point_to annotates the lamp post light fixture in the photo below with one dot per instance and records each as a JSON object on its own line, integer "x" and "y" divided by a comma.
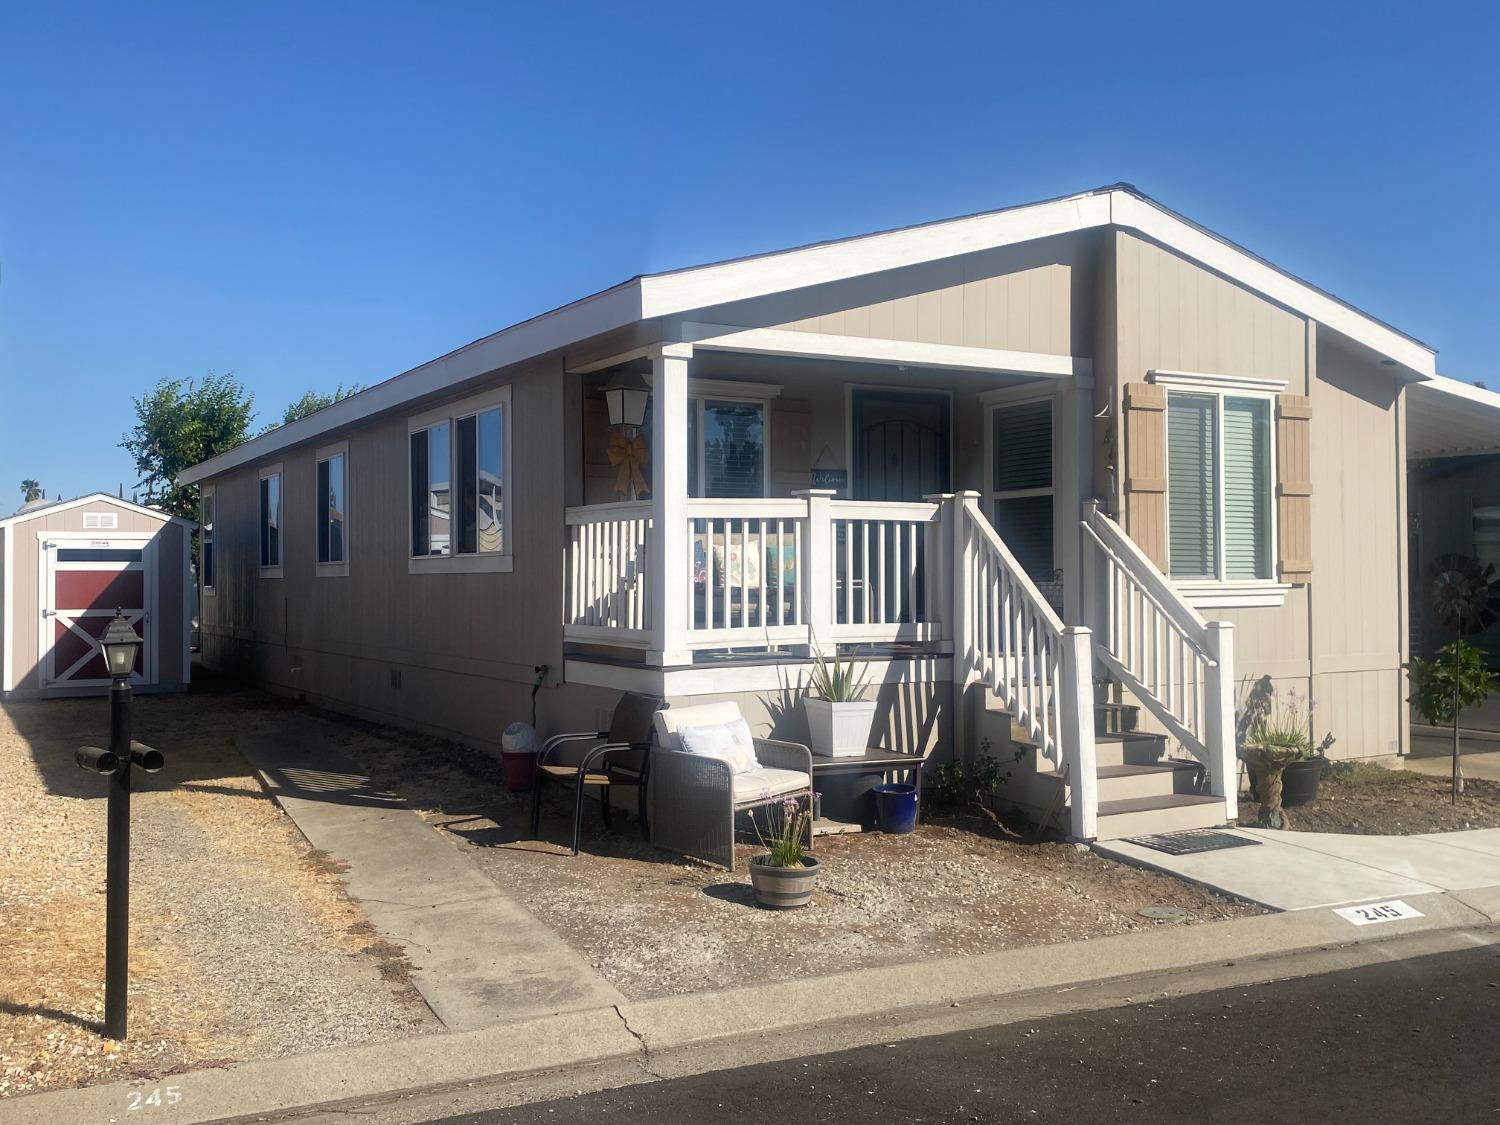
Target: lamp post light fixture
{"x": 120, "y": 646}
{"x": 626, "y": 395}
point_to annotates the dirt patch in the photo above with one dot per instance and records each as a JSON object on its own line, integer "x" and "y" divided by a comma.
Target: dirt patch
{"x": 1370, "y": 800}
{"x": 654, "y": 924}
{"x": 243, "y": 943}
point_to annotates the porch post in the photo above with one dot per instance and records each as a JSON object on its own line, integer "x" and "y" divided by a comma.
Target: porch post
{"x": 962, "y": 507}
{"x": 670, "y": 565}
{"x": 1077, "y": 690}
{"x": 1219, "y": 692}
{"x": 817, "y": 569}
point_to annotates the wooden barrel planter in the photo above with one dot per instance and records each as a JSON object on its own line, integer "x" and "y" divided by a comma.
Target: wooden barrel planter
{"x": 781, "y": 888}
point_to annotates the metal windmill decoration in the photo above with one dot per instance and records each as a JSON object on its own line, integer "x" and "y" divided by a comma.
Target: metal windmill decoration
{"x": 1463, "y": 592}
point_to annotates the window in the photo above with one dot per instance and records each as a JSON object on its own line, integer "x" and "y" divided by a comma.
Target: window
{"x": 206, "y": 555}
{"x": 1219, "y": 486}
{"x": 1021, "y": 493}
{"x": 459, "y": 458}
{"x": 333, "y": 510}
{"x": 726, "y": 439}
{"x": 270, "y": 522}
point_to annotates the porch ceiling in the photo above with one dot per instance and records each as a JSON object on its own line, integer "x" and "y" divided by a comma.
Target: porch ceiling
{"x": 1447, "y": 418}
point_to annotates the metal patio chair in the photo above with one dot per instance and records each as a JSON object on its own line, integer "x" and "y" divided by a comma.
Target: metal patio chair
{"x": 600, "y": 761}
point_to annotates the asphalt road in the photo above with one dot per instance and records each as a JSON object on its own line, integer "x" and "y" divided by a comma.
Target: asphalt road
{"x": 1405, "y": 1041}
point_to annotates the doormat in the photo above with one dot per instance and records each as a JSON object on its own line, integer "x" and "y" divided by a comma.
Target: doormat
{"x": 1191, "y": 843}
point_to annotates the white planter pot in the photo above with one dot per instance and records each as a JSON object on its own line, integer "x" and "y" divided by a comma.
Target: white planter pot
{"x": 839, "y": 730}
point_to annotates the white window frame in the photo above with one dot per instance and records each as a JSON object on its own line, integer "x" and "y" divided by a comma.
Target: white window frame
{"x": 1222, "y": 592}
{"x": 703, "y": 391}
{"x": 502, "y": 561}
{"x": 324, "y": 453}
{"x": 265, "y": 473}
{"x": 1000, "y": 399}
{"x": 207, "y": 532}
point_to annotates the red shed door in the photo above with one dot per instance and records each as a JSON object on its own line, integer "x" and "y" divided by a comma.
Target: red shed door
{"x": 85, "y": 581}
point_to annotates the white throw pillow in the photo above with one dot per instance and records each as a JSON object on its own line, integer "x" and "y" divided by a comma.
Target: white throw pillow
{"x": 730, "y": 742}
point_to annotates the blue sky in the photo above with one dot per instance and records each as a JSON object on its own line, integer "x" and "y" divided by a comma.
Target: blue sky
{"x": 309, "y": 194}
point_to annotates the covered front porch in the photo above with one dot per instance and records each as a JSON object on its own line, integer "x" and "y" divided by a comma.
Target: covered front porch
{"x": 787, "y": 493}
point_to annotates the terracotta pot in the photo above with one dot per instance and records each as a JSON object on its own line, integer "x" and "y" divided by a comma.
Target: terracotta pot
{"x": 781, "y": 888}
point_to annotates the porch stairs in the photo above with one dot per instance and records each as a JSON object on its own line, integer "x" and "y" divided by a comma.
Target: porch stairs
{"x": 1141, "y": 789}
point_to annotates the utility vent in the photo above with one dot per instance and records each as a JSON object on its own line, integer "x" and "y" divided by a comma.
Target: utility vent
{"x": 395, "y": 677}
{"x": 96, "y": 520}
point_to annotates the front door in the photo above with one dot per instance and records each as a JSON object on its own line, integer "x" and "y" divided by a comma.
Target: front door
{"x": 84, "y": 582}
{"x": 901, "y": 444}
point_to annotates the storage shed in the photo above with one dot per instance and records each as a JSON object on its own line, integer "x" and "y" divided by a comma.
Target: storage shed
{"x": 65, "y": 567}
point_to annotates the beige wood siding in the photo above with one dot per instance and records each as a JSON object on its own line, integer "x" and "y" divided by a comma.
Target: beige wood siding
{"x": 1357, "y": 625}
{"x": 463, "y": 645}
{"x": 1033, "y": 297}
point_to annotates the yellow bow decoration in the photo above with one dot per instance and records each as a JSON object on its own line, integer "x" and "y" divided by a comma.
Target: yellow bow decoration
{"x": 630, "y": 455}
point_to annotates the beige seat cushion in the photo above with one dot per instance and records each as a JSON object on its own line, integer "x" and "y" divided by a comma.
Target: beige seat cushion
{"x": 673, "y": 719}
{"x": 764, "y": 783}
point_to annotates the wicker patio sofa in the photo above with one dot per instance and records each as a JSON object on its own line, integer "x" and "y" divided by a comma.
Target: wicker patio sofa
{"x": 692, "y": 799}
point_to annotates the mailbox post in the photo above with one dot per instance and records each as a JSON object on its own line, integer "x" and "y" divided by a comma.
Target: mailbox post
{"x": 120, "y": 644}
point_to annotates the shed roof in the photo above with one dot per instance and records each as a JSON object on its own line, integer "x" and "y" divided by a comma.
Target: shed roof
{"x": 676, "y": 293}
{"x": 34, "y": 509}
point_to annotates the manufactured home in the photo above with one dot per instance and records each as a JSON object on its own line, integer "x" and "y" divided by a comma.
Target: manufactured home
{"x": 1039, "y": 468}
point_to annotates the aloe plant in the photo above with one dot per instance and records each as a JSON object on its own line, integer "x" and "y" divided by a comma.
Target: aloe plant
{"x": 836, "y": 681}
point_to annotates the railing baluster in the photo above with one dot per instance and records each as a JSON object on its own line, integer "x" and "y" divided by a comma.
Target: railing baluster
{"x": 880, "y": 614}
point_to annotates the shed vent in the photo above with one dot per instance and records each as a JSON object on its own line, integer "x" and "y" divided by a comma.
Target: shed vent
{"x": 95, "y": 520}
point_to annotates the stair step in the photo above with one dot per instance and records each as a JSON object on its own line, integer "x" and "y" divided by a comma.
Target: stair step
{"x": 1121, "y": 782}
{"x": 1115, "y": 718}
{"x": 1145, "y": 816}
{"x": 1135, "y": 748}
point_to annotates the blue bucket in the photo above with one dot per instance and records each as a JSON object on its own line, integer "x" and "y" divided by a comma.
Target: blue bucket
{"x": 895, "y": 808}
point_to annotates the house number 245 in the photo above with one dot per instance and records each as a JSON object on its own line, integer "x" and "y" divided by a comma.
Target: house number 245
{"x": 162, "y": 1095}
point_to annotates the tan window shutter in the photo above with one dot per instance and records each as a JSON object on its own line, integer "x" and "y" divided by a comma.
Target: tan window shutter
{"x": 1294, "y": 488}
{"x": 1146, "y": 469}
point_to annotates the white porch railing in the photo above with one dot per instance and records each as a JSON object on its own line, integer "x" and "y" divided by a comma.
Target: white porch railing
{"x": 1179, "y": 666}
{"x": 608, "y": 589}
{"x": 1009, "y": 637}
{"x": 807, "y": 571}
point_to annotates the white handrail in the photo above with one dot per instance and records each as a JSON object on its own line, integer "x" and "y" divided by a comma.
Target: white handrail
{"x": 1177, "y": 665}
{"x": 1014, "y": 641}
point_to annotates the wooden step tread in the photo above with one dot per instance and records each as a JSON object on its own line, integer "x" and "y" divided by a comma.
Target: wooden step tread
{"x": 1128, "y": 736}
{"x": 1106, "y": 772}
{"x": 1150, "y": 804}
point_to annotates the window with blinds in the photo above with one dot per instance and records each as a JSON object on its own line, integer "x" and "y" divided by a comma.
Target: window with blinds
{"x": 1219, "y": 486}
{"x": 734, "y": 448}
{"x": 1021, "y": 492}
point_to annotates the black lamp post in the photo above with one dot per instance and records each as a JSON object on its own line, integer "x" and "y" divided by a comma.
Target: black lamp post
{"x": 120, "y": 646}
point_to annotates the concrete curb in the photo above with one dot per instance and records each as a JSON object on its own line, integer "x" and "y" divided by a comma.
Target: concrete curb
{"x": 639, "y": 1029}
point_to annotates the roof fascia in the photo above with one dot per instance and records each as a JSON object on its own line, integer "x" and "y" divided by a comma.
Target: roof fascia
{"x": 613, "y": 308}
{"x": 685, "y": 291}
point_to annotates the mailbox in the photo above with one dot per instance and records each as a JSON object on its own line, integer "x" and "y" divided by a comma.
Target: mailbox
{"x": 96, "y": 760}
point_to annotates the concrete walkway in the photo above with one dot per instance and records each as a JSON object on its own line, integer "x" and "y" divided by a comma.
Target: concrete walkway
{"x": 479, "y": 956}
{"x": 1302, "y": 870}
{"x": 1485, "y": 764}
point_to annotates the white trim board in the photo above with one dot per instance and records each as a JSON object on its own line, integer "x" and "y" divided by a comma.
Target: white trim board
{"x": 904, "y": 353}
{"x": 683, "y": 292}
{"x": 722, "y": 679}
{"x": 7, "y": 605}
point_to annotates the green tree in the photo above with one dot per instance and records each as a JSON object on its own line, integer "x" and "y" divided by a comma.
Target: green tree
{"x": 180, "y": 423}
{"x": 313, "y": 401}
{"x": 1443, "y": 687}
{"x": 32, "y": 490}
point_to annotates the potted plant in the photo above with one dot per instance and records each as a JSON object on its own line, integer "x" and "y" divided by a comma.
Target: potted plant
{"x": 839, "y": 719}
{"x": 1276, "y": 738}
{"x": 785, "y": 875}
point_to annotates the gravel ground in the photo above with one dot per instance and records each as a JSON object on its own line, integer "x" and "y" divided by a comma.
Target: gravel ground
{"x": 1367, "y": 799}
{"x": 654, "y": 924}
{"x": 243, "y": 942}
